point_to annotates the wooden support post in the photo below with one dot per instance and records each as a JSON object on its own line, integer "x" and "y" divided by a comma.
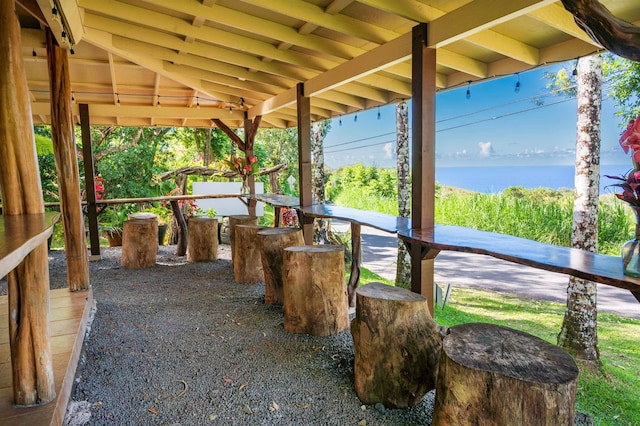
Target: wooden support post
{"x": 423, "y": 153}
{"x": 397, "y": 346}
{"x": 356, "y": 262}
{"x": 272, "y": 242}
{"x": 203, "y": 239}
{"x": 314, "y": 290}
{"x": 277, "y": 217}
{"x": 89, "y": 180}
{"x": 64, "y": 148}
{"x": 490, "y": 374}
{"x": 247, "y": 263}
{"x": 183, "y": 232}
{"x": 423, "y": 260}
{"x": 28, "y": 284}
{"x": 304, "y": 158}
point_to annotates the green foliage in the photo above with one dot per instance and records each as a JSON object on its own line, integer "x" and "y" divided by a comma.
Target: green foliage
{"x": 624, "y": 83}
{"x": 44, "y": 145}
{"x": 277, "y": 146}
{"x": 369, "y": 180}
{"x": 162, "y": 211}
{"x": 112, "y": 218}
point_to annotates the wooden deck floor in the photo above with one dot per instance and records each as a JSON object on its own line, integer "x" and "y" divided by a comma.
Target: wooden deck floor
{"x": 69, "y": 315}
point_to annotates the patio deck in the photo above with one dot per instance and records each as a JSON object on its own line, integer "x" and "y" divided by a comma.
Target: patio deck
{"x": 69, "y": 316}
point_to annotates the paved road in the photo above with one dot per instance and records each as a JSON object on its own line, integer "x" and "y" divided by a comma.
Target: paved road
{"x": 475, "y": 270}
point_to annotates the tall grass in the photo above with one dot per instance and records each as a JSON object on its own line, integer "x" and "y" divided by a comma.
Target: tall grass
{"x": 538, "y": 214}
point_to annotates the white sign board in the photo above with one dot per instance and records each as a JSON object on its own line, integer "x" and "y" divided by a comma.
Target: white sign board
{"x": 225, "y": 206}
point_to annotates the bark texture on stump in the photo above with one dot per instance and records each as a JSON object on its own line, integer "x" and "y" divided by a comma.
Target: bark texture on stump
{"x": 491, "y": 375}
{"x": 397, "y": 345}
{"x": 247, "y": 264}
{"x": 203, "y": 239}
{"x": 240, "y": 219}
{"x": 314, "y": 290}
{"x": 28, "y": 284}
{"x": 272, "y": 243}
{"x": 139, "y": 241}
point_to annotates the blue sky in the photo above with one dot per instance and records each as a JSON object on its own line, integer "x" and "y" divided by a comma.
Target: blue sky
{"x": 495, "y": 126}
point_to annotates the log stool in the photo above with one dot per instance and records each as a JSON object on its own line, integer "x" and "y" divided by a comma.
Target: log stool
{"x": 202, "y": 245}
{"x": 272, "y": 242}
{"x": 315, "y": 290}
{"x": 241, "y": 219}
{"x": 139, "y": 241}
{"x": 396, "y": 344}
{"x": 491, "y": 374}
{"x": 247, "y": 264}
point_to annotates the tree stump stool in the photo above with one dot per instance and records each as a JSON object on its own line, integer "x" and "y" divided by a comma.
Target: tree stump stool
{"x": 247, "y": 264}
{"x": 272, "y": 242}
{"x": 315, "y": 290}
{"x": 139, "y": 241}
{"x": 241, "y": 219}
{"x": 202, "y": 245}
{"x": 491, "y": 374}
{"x": 397, "y": 345}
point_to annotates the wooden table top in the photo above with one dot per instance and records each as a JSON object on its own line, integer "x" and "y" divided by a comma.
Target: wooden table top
{"x": 579, "y": 263}
{"x": 20, "y": 234}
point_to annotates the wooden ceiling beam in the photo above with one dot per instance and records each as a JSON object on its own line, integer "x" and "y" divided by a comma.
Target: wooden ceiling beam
{"x": 559, "y": 18}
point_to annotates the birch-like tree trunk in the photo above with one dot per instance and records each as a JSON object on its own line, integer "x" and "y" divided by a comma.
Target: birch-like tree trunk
{"x": 318, "y": 132}
{"x": 403, "y": 269}
{"x": 579, "y": 335}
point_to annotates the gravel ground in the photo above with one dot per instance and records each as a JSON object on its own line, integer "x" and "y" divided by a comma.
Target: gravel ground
{"x": 182, "y": 344}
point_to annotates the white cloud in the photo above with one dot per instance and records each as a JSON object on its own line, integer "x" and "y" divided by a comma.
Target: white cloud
{"x": 388, "y": 147}
{"x": 486, "y": 149}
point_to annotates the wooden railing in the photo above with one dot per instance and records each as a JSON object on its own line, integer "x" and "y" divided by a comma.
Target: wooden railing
{"x": 20, "y": 234}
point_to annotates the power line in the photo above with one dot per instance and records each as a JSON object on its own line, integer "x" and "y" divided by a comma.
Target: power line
{"x": 359, "y": 147}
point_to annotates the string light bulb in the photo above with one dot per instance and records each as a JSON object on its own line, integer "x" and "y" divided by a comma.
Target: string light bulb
{"x": 379, "y": 115}
{"x": 340, "y": 122}
{"x": 118, "y": 99}
{"x": 197, "y": 102}
{"x": 73, "y": 98}
{"x": 517, "y": 89}
{"x": 34, "y": 54}
{"x": 468, "y": 95}
{"x": 230, "y": 110}
{"x": 575, "y": 69}
{"x": 158, "y": 102}
{"x": 355, "y": 118}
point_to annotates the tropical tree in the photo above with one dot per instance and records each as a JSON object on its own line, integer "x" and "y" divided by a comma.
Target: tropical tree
{"x": 578, "y": 334}
{"x": 403, "y": 264}
{"x": 319, "y": 130}
{"x": 278, "y": 146}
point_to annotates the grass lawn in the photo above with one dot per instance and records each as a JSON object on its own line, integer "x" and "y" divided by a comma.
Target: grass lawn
{"x": 610, "y": 395}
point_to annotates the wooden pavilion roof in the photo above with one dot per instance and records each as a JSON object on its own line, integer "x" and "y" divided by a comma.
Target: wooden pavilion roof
{"x": 182, "y": 63}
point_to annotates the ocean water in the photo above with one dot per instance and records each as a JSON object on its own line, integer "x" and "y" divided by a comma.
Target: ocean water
{"x": 495, "y": 179}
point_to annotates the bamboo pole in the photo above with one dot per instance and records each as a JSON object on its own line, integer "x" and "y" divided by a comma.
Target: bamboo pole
{"x": 28, "y": 284}
{"x": 68, "y": 175}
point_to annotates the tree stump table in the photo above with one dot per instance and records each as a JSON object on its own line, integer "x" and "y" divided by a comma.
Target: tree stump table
{"x": 241, "y": 219}
{"x": 397, "y": 345}
{"x": 247, "y": 263}
{"x": 139, "y": 241}
{"x": 272, "y": 243}
{"x": 202, "y": 245}
{"x": 491, "y": 374}
{"x": 314, "y": 290}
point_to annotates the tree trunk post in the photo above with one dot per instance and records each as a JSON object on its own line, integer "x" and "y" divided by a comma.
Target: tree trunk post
{"x": 64, "y": 148}
{"x": 491, "y": 374}
{"x": 314, "y": 290}
{"x": 356, "y": 262}
{"x": 183, "y": 231}
{"x": 203, "y": 239}
{"x": 403, "y": 263}
{"x": 579, "y": 334}
{"x": 272, "y": 243}
{"x": 247, "y": 263}
{"x": 397, "y": 346}
{"x": 28, "y": 284}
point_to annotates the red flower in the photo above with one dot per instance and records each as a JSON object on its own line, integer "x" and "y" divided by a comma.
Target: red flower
{"x": 252, "y": 159}
{"x": 630, "y": 139}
